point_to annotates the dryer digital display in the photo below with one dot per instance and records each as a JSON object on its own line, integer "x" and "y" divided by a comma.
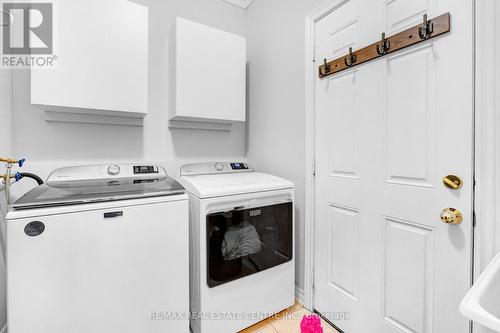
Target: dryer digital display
{"x": 239, "y": 166}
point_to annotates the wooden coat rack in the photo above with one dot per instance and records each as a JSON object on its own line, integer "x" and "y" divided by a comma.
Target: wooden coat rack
{"x": 417, "y": 34}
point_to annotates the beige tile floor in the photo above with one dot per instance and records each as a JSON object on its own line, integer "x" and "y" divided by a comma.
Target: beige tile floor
{"x": 287, "y": 321}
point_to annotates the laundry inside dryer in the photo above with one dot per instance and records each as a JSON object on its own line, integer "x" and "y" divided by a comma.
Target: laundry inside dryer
{"x": 242, "y": 242}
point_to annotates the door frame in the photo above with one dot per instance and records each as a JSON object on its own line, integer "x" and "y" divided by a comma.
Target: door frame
{"x": 310, "y": 75}
{"x": 486, "y": 238}
{"x": 487, "y": 136}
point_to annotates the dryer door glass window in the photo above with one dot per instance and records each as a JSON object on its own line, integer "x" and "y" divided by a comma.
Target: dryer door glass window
{"x": 242, "y": 242}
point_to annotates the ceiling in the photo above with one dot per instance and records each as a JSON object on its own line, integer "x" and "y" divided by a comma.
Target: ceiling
{"x": 240, "y": 3}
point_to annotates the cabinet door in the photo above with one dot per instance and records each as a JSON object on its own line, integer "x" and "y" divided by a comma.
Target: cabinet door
{"x": 210, "y": 74}
{"x": 102, "y": 60}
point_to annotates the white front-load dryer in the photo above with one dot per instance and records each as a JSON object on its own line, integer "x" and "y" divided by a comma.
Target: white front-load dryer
{"x": 99, "y": 249}
{"x": 241, "y": 245}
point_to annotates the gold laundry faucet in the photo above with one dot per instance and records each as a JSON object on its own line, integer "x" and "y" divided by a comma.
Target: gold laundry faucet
{"x": 8, "y": 174}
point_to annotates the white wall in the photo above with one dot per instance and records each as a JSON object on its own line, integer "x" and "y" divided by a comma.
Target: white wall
{"x": 487, "y": 136}
{"x": 5, "y": 112}
{"x": 59, "y": 143}
{"x": 276, "y": 41}
{"x": 496, "y": 113}
{"x": 51, "y": 145}
{"x": 487, "y": 130}
{"x": 5, "y": 150}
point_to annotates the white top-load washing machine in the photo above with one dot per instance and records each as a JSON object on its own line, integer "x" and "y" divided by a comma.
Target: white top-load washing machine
{"x": 241, "y": 246}
{"x": 99, "y": 249}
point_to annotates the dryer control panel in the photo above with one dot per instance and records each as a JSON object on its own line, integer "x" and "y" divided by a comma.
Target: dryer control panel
{"x": 214, "y": 168}
{"x": 239, "y": 166}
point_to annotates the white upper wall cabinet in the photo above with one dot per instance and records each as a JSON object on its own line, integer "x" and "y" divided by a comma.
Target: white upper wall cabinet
{"x": 210, "y": 78}
{"x": 101, "y": 72}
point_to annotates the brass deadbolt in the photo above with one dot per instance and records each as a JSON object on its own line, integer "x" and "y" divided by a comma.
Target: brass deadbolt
{"x": 451, "y": 216}
{"x": 453, "y": 182}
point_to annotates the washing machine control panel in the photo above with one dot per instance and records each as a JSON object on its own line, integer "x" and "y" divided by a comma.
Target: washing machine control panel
{"x": 113, "y": 170}
{"x": 109, "y": 174}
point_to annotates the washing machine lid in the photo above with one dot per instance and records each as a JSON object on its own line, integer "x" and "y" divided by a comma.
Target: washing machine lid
{"x": 216, "y": 181}
{"x": 100, "y": 183}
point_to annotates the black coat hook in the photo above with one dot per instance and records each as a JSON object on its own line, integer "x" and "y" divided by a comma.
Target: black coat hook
{"x": 426, "y": 29}
{"x": 325, "y": 70}
{"x": 384, "y": 45}
{"x": 352, "y": 58}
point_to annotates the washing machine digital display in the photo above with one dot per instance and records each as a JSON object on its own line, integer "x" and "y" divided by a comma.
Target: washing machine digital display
{"x": 138, "y": 169}
{"x": 239, "y": 166}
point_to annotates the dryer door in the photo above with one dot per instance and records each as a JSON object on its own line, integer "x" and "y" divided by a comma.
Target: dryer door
{"x": 247, "y": 240}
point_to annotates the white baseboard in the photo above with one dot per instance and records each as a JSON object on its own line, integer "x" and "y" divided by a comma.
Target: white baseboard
{"x": 299, "y": 295}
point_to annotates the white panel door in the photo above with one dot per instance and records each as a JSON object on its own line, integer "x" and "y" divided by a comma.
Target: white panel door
{"x": 387, "y": 132}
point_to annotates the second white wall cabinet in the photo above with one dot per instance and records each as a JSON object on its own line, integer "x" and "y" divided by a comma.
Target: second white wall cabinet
{"x": 210, "y": 77}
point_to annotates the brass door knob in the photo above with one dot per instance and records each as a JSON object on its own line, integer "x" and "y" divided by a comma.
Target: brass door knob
{"x": 452, "y": 181}
{"x": 451, "y": 216}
